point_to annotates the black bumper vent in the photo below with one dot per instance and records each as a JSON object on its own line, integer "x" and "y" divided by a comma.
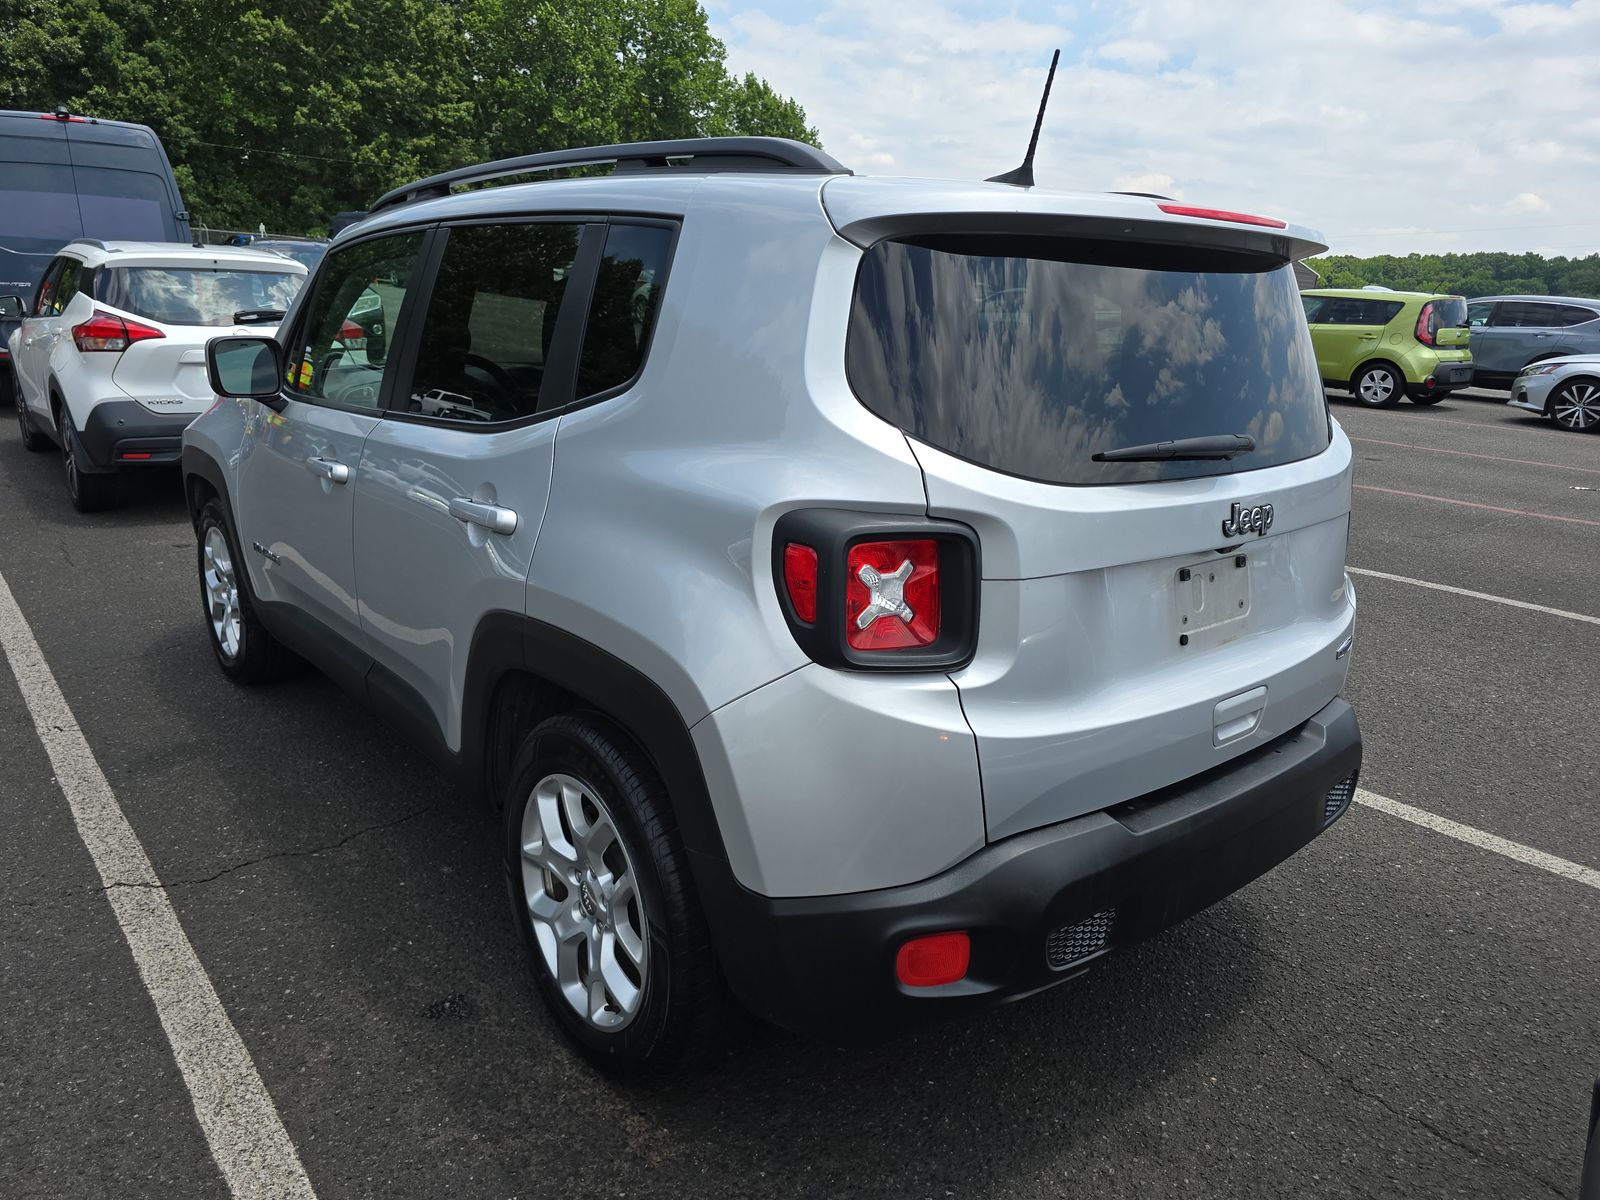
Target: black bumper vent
{"x": 1339, "y": 797}
{"x": 1071, "y": 943}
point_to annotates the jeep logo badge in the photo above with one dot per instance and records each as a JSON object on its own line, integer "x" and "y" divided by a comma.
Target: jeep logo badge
{"x": 1242, "y": 520}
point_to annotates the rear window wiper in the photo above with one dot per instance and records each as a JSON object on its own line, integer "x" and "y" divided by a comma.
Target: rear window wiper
{"x": 258, "y": 316}
{"x": 1221, "y": 445}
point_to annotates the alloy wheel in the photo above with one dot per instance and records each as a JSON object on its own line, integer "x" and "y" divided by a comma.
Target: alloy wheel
{"x": 1378, "y": 386}
{"x": 67, "y": 457}
{"x": 222, "y": 593}
{"x": 584, "y": 902}
{"x": 1577, "y": 406}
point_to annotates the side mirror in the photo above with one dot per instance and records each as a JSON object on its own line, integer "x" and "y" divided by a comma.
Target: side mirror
{"x": 244, "y": 368}
{"x": 12, "y": 308}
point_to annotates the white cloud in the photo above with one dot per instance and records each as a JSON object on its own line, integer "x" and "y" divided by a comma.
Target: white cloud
{"x": 1323, "y": 115}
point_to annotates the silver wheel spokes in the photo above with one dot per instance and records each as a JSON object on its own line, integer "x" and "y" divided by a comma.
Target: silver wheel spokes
{"x": 1578, "y": 406}
{"x": 1377, "y": 386}
{"x": 588, "y": 917}
{"x": 222, "y": 592}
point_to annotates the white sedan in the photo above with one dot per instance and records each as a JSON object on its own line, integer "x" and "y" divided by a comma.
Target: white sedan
{"x": 110, "y": 360}
{"x": 1567, "y": 390}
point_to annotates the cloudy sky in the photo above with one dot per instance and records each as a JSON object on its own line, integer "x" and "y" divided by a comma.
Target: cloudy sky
{"x": 1427, "y": 125}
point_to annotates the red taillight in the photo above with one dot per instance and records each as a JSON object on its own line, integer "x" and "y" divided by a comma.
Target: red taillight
{"x": 62, "y": 117}
{"x": 106, "y": 332}
{"x": 1222, "y": 214}
{"x": 800, "y": 579}
{"x": 937, "y": 959}
{"x": 892, "y": 594}
{"x": 352, "y": 335}
{"x": 1425, "y": 324}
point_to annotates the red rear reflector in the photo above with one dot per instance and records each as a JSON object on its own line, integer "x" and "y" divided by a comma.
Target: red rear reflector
{"x": 800, "y": 578}
{"x": 134, "y": 454}
{"x": 891, "y": 599}
{"x": 106, "y": 332}
{"x": 59, "y": 117}
{"x": 1222, "y": 214}
{"x": 937, "y": 959}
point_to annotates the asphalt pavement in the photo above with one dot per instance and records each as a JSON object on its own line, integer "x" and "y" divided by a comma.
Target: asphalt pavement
{"x": 1393, "y": 1012}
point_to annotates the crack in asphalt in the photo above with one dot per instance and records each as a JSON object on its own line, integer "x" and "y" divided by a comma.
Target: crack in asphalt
{"x": 1478, "y": 1154}
{"x": 250, "y": 862}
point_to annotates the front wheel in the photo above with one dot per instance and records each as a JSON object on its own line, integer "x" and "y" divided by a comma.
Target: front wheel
{"x": 1378, "y": 385}
{"x": 600, "y": 890}
{"x": 245, "y": 651}
{"x": 1576, "y": 406}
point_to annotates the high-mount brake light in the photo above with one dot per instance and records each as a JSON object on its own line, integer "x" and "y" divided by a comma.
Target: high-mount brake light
{"x": 800, "y": 579}
{"x": 1222, "y": 214}
{"x": 892, "y": 594}
{"x": 105, "y": 332}
{"x": 1424, "y": 332}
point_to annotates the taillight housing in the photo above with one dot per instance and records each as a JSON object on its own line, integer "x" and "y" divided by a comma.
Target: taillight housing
{"x": 110, "y": 333}
{"x": 878, "y": 593}
{"x": 1425, "y": 324}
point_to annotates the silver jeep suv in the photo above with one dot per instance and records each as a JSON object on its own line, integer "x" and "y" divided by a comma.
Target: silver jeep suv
{"x": 866, "y": 598}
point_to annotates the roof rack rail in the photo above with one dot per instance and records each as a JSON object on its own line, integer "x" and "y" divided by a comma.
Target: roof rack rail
{"x": 765, "y": 154}
{"x": 95, "y": 242}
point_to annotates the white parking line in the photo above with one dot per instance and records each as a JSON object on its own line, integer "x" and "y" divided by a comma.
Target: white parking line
{"x": 1445, "y": 587}
{"x": 240, "y": 1124}
{"x": 1484, "y": 841}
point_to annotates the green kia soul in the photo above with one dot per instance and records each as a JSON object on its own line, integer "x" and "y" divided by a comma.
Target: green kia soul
{"x": 1382, "y": 344}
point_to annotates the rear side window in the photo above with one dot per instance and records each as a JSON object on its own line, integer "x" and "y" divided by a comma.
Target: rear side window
{"x": 44, "y": 300}
{"x": 129, "y": 205}
{"x": 1349, "y": 310}
{"x": 627, "y": 293}
{"x": 491, "y": 320}
{"x": 1029, "y": 355}
{"x": 1528, "y": 315}
{"x": 1572, "y": 314}
{"x": 197, "y": 296}
{"x": 339, "y": 353}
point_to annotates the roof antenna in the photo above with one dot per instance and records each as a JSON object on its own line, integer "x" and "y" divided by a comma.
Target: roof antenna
{"x": 1023, "y": 175}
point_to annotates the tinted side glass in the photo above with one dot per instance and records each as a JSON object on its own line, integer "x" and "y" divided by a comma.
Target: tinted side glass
{"x": 40, "y": 207}
{"x": 1478, "y": 314}
{"x": 1523, "y": 314}
{"x": 1313, "y": 306}
{"x": 131, "y": 205}
{"x": 1030, "y": 355}
{"x": 44, "y": 298}
{"x": 1572, "y": 314}
{"x": 1348, "y": 310}
{"x": 627, "y": 295}
{"x": 339, "y": 355}
{"x": 67, "y": 288}
{"x": 485, "y": 341}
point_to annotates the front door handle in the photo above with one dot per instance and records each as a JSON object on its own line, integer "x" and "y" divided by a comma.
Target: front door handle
{"x": 333, "y": 472}
{"x": 491, "y": 516}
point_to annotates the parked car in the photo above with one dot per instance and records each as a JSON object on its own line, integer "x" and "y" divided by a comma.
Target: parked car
{"x": 1383, "y": 345}
{"x": 877, "y": 597}
{"x": 306, "y": 251}
{"x": 110, "y": 359}
{"x": 64, "y": 177}
{"x": 1567, "y": 390}
{"x": 1509, "y": 332}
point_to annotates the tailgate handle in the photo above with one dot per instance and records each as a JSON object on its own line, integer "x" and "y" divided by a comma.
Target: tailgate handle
{"x": 1238, "y": 715}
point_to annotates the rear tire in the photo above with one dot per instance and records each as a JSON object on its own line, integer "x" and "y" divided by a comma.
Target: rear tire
{"x": 1575, "y": 406}
{"x": 32, "y": 439}
{"x": 1378, "y": 385}
{"x": 245, "y": 651}
{"x": 89, "y": 492}
{"x": 600, "y": 890}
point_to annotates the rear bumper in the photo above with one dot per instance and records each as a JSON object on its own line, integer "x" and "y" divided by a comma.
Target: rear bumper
{"x": 115, "y": 429}
{"x": 1041, "y": 906}
{"x": 1447, "y": 375}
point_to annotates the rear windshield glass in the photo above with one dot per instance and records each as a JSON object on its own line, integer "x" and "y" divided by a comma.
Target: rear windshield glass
{"x": 1029, "y": 355}
{"x": 1448, "y": 313}
{"x": 196, "y": 296}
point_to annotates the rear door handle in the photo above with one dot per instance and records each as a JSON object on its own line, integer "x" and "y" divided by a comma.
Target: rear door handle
{"x": 333, "y": 472}
{"x": 491, "y": 516}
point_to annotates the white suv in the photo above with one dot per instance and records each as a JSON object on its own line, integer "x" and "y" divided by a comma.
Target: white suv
{"x": 109, "y": 363}
{"x": 874, "y": 597}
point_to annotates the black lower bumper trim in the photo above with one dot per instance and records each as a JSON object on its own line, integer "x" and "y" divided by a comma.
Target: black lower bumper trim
{"x": 825, "y": 964}
{"x": 118, "y": 427}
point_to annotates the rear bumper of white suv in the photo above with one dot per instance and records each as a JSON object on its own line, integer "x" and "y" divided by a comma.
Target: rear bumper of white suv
{"x": 1041, "y": 906}
{"x": 124, "y": 433}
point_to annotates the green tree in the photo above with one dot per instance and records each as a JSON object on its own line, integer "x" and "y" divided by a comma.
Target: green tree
{"x": 1478, "y": 274}
{"x": 283, "y": 113}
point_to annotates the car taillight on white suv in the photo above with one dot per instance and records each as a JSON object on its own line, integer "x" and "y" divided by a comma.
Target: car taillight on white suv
{"x": 107, "y": 332}
{"x": 877, "y": 592}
